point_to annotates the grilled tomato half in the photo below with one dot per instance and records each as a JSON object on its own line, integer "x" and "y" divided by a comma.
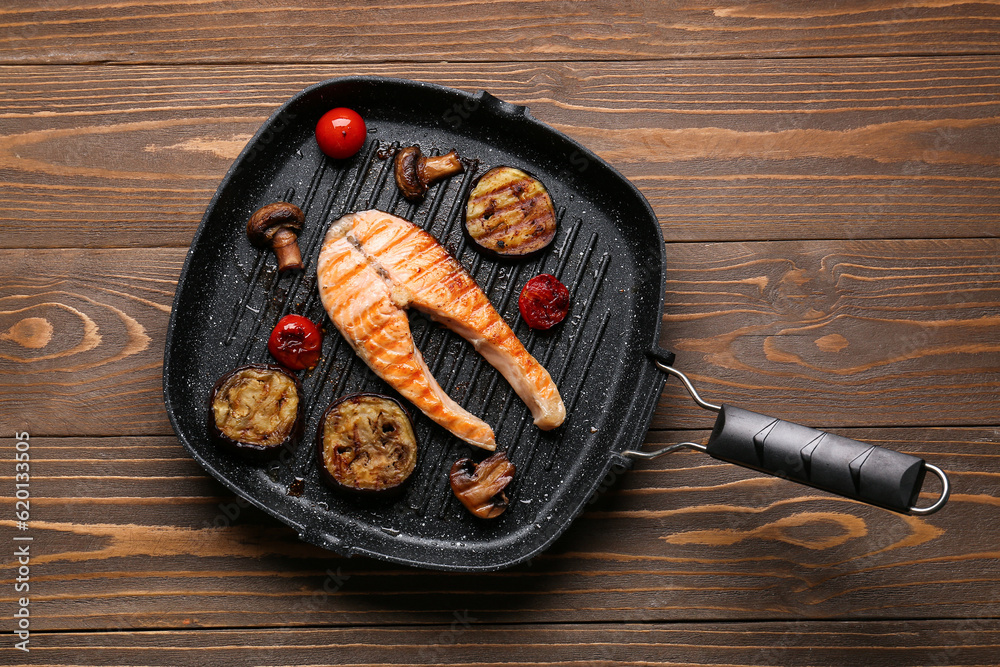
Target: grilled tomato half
{"x": 254, "y": 410}
{"x": 366, "y": 445}
{"x": 544, "y": 302}
{"x": 510, "y": 214}
{"x": 295, "y": 342}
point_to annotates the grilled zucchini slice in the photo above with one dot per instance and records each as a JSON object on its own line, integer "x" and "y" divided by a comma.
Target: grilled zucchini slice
{"x": 510, "y": 214}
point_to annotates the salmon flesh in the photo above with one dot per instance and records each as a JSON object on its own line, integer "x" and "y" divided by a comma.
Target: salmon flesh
{"x": 372, "y": 267}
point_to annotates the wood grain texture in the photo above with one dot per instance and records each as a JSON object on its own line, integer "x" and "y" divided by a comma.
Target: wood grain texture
{"x": 771, "y": 137}
{"x": 130, "y": 533}
{"x": 238, "y": 31}
{"x": 759, "y": 150}
{"x": 81, "y": 339}
{"x": 821, "y": 644}
{"x": 827, "y": 333}
{"x": 903, "y": 332}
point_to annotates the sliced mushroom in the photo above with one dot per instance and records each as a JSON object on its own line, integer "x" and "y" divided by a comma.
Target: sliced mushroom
{"x": 255, "y": 410}
{"x": 415, "y": 173}
{"x": 481, "y": 487}
{"x": 277, "y": 226}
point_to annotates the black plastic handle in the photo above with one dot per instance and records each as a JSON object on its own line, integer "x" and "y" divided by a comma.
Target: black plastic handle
{"x": 830, "y": 462}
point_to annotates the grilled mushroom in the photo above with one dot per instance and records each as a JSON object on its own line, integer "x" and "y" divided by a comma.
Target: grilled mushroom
{"x": 415, "y": 173}
{"x": 366, "y": 445}
{"x": 277, "y": 226}
{"x": 254, "y": 410}
{"x": 481, "y": 487}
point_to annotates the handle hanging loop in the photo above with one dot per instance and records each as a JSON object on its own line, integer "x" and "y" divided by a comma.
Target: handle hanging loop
{"x": 945, "y": 492}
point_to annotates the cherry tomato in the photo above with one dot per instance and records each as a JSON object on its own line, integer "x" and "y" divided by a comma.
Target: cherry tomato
{"x": 544, "y": 302}
{"x": 295, "y": 342}
{"x": 340, "y": 133}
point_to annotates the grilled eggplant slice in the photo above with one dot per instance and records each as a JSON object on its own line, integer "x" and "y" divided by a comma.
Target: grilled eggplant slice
{"x": 510, "y": 214}
{"x": 254, "y": 411}
{"x": 366, "y": 445}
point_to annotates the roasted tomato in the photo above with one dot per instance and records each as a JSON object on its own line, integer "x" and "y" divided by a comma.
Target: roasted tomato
{"x": 510, "y": 214}
{"x": 366, "y": 445}
{"x": 341, "y": 133}
{"x": 295, "y": 342}
{"x": 481, "y": 487}
{"x": 254, "y": 410}
{"x": 544, "y": 302}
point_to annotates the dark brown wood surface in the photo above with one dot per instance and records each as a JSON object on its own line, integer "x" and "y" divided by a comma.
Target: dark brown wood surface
{"x": 131, "y": 530}
{"x": 74, "y": 31}
{"x": 827, "y": 177}
{"x": 723, "y": 150}
{"x": 465, "y": 643}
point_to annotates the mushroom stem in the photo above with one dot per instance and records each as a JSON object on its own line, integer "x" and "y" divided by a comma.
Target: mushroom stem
{"x": 286, "y": 249}
{"x": 443, "y": 165}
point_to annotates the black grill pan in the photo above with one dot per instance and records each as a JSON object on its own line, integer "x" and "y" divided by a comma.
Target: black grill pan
{"x": 608, "y": 250}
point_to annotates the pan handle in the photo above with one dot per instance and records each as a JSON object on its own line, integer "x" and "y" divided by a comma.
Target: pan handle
{"x": 847, "y": 467}
{"x": 873, "y": 475}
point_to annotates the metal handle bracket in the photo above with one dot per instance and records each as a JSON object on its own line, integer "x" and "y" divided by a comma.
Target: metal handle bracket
{"x": 843, "y": 466}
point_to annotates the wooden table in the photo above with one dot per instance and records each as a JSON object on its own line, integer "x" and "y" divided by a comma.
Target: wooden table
{"x": 827, "y": 176}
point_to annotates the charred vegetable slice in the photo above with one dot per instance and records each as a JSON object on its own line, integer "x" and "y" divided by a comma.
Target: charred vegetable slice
{"x": 481, "y": 487}
{"x": 255, "y": 410}
{"x": 366, "y": 444}
{"x": 510, "y": 213}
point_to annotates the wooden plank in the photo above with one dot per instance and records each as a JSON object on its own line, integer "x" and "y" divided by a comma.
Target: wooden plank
{"x": 903, "y": 332}
{"x": 829, "y": 333}
{"x": 240, "y": 31}
{"x": 81, "y": 340}
{"x": 756, "y": 150}
{"x": 884, "y": 644}
{"x": 129, "y": 533}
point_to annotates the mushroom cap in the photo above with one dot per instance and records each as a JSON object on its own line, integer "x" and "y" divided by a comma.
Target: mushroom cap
{"x": 408, "y": 176}
{"x": 268, "y": 220}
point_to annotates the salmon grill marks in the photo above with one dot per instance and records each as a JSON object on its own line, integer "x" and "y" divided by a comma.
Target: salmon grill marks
{"x": 374, "y": 265}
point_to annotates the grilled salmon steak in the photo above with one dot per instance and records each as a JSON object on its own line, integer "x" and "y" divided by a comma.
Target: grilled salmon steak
{"x": 372, "y": 267}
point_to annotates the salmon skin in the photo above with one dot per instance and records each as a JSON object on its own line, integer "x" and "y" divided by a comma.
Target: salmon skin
{"x": 372, "y": 267}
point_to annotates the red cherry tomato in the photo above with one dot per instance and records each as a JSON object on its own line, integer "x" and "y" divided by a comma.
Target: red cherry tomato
{"x": 295, "y": 342}
{"x": 544, "y": 302}
{"x": 340, "y": 133}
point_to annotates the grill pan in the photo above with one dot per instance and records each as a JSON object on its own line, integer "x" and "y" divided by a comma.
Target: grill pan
{"x": 605, "y": 359}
